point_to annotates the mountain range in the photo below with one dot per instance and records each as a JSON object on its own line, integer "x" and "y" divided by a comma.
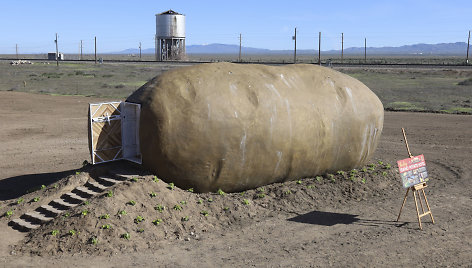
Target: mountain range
{"x": 458, "y": 48}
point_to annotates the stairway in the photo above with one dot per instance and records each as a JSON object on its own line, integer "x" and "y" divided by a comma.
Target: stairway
{"x": 45, "y": 213}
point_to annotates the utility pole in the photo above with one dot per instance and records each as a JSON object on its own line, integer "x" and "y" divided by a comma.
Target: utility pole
{"x": 240, "y": 43}
{"x": 81, "y": 50}
{"x": 139, "y": 50}
{"x": 319, "y": 49}
{"x": 365, "y": 50}
{"x": 57, "y": 52}
{"x": 19, "y": 58}
{"x": 468, "y": 43}
{"x": 295, "y": 51}
{"x": 95, "y": 50}
{"x": 342, "y": 47}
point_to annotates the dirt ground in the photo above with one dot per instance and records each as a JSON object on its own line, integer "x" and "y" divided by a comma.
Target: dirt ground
{"x": 342, "y": 223}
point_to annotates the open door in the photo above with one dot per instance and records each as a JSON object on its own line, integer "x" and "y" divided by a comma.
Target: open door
{"x": 114, "y": 132}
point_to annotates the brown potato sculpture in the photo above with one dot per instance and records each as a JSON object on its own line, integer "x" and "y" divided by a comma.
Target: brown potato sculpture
{"x": 236, "y": 127}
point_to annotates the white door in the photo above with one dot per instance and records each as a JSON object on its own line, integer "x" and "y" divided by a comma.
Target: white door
{"x": 114, "y": 131}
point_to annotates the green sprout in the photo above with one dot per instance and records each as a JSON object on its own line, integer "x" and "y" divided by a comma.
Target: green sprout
{"x": 157, "y": 221}
{"x": 190, "y": 190}
{"x": 72, "y": 232}
{"x": 363, "y": 180}
{"x": 66, "y": 215}
{"x": 311, "y": 186}
{"x": 121, "y": 212}
{"x": 135, "y": 179}
{"x": 226, "y": 208}
{"x": 204, "y": 213}
{"x": 354, "y": 172}
{"x": 199, "y": 201}
{"x": 299, "y": 182}
{"x": 184, "y": 218}
{"x": 183, "y": 202}
{"x": 261, "y": 195}
{"x": 220, "y": 192}
{"x": 55, "y": 186}
{"x": 86, "y": 203}
{"x": 384, "y": 173}
{"x": 159, "y": 208}
{"x": 171, "y": 186}
{"x": 318, "y": 178}
{"x": 388, "y": 166}
{"x": 340, "y": 172}
{"x": 155, "y": 179}
{"x": 364, "y": 169}
{"x": 20, "y": 200}
{"x": 380, "y": 162}
{"x": 85, "y": 212}
{"x": 77, "y": 172}
{"x": 287, "y": 192}
{"x": 131, "y": 202}
{"x": 106, "y": 226}
{"x": 152, "y": 194}
{"x": 109, "y": 193}
{"x": 93, "y": 240}
{"x": 246, "y": 202}
{"x": 138, "y": 219}
{"x": 9, "y": 213}
{"x": 43, "y": 186}
{"x": 242, "y": 193}
{"x": 126, "y": 236}
{"x": 177, "y": 207}
{"x": 54, "y": 232}
{"x": 260, "y": 189}
{"x": 104, "y": 216}
{"x": 210, "y": 199}
{"x": 141, "y": 230}
{"x": 36, "y": 199}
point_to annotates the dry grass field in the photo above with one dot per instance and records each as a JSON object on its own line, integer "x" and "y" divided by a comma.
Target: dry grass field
{"x": 345, "y": 219}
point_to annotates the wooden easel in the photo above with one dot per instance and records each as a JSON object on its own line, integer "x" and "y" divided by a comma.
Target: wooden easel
{"x": 414, "y": 189}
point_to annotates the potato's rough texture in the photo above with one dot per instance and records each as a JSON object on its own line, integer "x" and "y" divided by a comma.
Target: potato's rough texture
{"x": 235, "y": 127}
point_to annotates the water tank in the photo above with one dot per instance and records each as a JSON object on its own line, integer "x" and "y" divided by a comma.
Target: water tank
{"x": 170, "y": 24}
{"x": 170, "y": 36}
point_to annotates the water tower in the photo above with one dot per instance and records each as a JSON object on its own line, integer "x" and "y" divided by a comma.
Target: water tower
{"x": 170, "y": 36}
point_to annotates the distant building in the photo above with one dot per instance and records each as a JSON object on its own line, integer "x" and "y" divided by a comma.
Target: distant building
{"x": 52, "y": 56}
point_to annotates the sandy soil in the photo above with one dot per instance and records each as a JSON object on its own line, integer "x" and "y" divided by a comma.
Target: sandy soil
{"x": 44, "y": 141}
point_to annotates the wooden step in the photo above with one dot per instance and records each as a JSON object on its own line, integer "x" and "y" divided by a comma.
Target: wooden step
{"x": 109, "y": 180}
{"x": 64, "y": 203}
{"x": 86, "y": 191}
{"x": 24, "y": 224}
{"x": 76, "y": 197}
{"x": 97, "y": 185}
{"x": 36, "y": 215}
{"x": 52, "y": 209}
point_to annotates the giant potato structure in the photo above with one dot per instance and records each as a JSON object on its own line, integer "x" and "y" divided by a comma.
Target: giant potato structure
{"x": 235, "y": 127}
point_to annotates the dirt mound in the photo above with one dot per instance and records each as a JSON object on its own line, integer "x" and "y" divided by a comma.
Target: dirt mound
{"x": 141, "y": 211}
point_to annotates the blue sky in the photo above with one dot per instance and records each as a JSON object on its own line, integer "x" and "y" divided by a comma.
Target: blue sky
{"x": 119, "y": 25}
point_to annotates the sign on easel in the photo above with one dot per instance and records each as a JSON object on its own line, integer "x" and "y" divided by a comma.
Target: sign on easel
{"x": 414, "y": 177}
{"x": 413, "y": 171}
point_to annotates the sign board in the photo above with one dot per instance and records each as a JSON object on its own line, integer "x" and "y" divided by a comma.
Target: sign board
{"x": 413, "y": 170}
{"x": 114, "y": 132}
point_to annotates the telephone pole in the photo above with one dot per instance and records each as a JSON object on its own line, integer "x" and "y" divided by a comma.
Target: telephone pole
{"x": 95, "y": 50}
{"x": 57, "y": 52}
{"x": 295, "y": 51}
{"x": 240, "y": 43}
{"x": 81, "y": 50}
{"x": 319, "y": 49}
{"x": 17, "y": 52}
{"x": 365, "y": 50}
{"x": 342, "y": 47}
{"x": 468, "y": 43}
{"x": 139, "y": 50}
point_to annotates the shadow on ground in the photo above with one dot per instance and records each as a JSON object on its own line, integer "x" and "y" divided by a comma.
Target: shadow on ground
{"x": 331, "y": 218}
{"x": 17, "y": 186}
